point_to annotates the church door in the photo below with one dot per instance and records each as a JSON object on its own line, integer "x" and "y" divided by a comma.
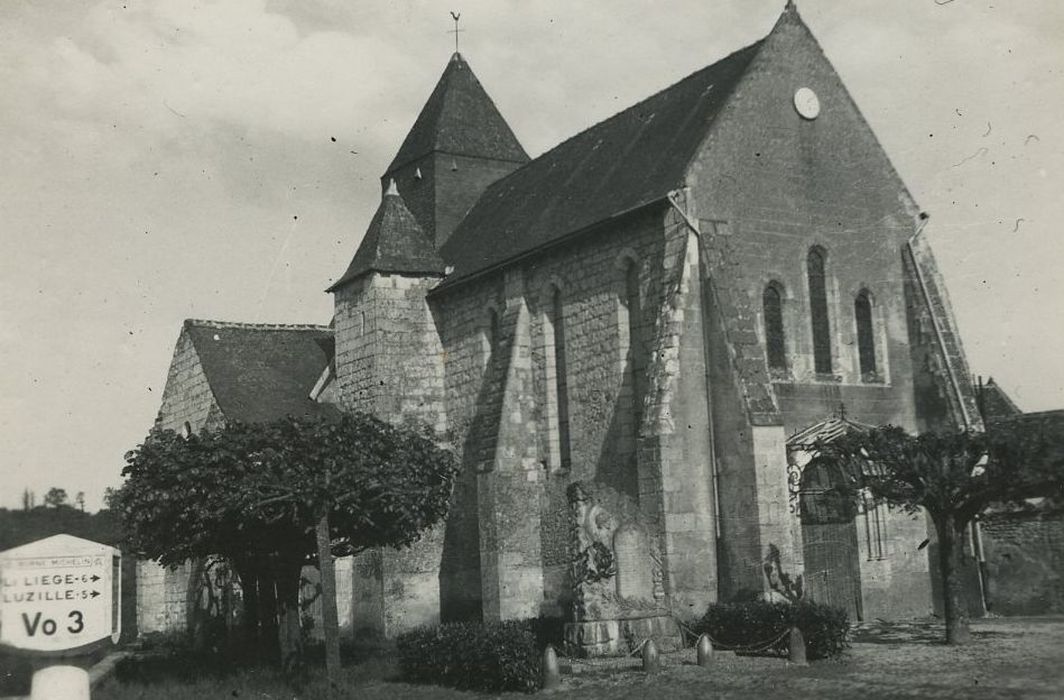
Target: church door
{"x": 829, "y": 541}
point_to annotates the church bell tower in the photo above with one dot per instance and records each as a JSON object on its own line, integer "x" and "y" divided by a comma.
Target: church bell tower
{"x": 458, "y": 145}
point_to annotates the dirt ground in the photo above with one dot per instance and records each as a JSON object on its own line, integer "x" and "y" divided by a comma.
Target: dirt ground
{"x": 1009, "y": 658}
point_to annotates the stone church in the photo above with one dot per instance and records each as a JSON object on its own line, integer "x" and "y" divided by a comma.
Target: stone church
{"x": 631, "y": 341}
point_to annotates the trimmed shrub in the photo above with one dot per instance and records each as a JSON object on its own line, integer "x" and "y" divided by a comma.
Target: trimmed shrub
{"x": 492, "y": 657}
{"x": 759, "y": 626}
{"x": 547, "y": 630}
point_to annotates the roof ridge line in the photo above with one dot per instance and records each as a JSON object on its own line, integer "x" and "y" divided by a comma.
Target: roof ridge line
{"x": 632, "y": 106}
{"x": 209, "y": 323}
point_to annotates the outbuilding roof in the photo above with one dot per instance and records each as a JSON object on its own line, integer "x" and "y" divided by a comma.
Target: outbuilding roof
{"x": 262, "y": 372}
{"x": 994, "y": 403}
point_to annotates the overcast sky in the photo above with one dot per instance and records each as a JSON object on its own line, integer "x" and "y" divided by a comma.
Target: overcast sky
{"x": 172, "y": 160}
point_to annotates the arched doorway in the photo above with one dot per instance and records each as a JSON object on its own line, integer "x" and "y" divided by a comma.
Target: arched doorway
{"x": 829, "y": 539}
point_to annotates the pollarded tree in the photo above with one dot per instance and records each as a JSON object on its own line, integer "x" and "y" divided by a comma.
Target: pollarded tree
{"x": 263, "y": 495}
{"x": 953, "y": 477}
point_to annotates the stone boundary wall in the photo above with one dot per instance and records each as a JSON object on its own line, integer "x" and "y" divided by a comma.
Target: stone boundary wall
{"x": 1024, "y": 554}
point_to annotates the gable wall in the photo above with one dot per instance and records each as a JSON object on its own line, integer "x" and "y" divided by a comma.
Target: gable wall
{"x": 784, "y": 184}
{"x": 187, "y": 396}
{"x": 161, "y": 592}
{"x": 775, "y": 185}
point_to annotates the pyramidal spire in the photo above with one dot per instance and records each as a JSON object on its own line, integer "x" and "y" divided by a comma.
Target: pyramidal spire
{"x": 394, "y": 243}
{"x": 459, "y": 118}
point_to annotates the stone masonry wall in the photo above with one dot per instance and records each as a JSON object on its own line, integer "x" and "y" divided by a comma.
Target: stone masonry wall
{"x": 161, "y": 605}
{"x": 161, "y": 593}
{"x": 480, "y": 395}
{"x": 389, "y": 363}
{"x": 310, "y": 593}
{"x": 1024, "y": 554}
{"x": 790, "y": 184}
{"x": 187, "y": 395}
{"x": 895, "y": 577}
{"x": 676, "y": 450}
{"x": 381, "y": 324}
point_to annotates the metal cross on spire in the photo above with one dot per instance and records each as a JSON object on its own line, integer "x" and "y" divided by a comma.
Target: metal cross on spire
{"x": 456, "y": 16}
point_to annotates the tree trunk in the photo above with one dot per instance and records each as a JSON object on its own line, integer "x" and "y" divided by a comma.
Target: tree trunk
{"x": 268, "y": 633}
{"x": 195, "y": 623}
{"x": 289, "y": 632}
{"x": 950, "y": 548}
{"x": 329, "y": 620}
{"x": 249, "y": 618}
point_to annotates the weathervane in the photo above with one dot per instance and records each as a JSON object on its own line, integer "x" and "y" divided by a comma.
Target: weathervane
{"x": 456, "y": 16}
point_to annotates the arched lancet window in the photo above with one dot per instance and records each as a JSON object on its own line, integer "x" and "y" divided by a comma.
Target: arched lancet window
{"x": 636, "y": 359}
{"x": 818, "y": 311}
{"x": 491, "y": 337}
{"x": 772, "y": 306}
{"x": 559, "y": 397}
{"x": 866, "y": 338}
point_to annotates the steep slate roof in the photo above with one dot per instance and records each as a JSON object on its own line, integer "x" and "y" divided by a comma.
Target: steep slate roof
{"x": 1050, "y": 425}
{"x": 459, "y": 118}
{"x": 262, "y": 372}
{"x": 394, "y": 242}
{"x": 632, "y": 159}
{"x": 994, "y": 403}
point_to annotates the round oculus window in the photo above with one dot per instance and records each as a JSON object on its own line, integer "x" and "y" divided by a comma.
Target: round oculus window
{"x": 807, "y": 103}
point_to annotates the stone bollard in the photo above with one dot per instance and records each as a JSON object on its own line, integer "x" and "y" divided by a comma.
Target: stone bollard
{"x": 704, "y": 650}
{"x": 651, "y": 660}
{"x": 54, "y": 682}
{"x": 552, "y": 678}
{"x": 797, "y": 647}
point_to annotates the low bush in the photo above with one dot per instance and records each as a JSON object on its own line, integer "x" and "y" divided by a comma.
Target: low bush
{"x": 491, "y": 657}
{"x": 547, "y": 630}
{"x": 761, "y": 626}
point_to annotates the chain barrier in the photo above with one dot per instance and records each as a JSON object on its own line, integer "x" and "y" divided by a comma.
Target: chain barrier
{"x": 750, "y": 648}
{"x": 755, "y": 647}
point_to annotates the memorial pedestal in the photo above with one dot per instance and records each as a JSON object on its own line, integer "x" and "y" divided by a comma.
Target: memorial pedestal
{"x": 619, "y": 637}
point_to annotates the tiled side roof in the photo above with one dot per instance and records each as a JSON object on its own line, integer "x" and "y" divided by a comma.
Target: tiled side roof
{"x": 262, "y": 372}
{"x": 632, "y": 159}
{"x": 994, "y": 403}
{"x": 394, "y": 242}
{"x": 459, "y": 118}
{"x": 1048, "y": 424}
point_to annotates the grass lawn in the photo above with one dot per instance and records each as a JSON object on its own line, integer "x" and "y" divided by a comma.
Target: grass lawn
{"x": 1010, "y": 658}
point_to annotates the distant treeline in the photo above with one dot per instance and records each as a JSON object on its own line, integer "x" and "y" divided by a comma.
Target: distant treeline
{"x": 18, "y": 527}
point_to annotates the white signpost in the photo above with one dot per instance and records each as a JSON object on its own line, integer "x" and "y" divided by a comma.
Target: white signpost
{"x": 60, "y": 597}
